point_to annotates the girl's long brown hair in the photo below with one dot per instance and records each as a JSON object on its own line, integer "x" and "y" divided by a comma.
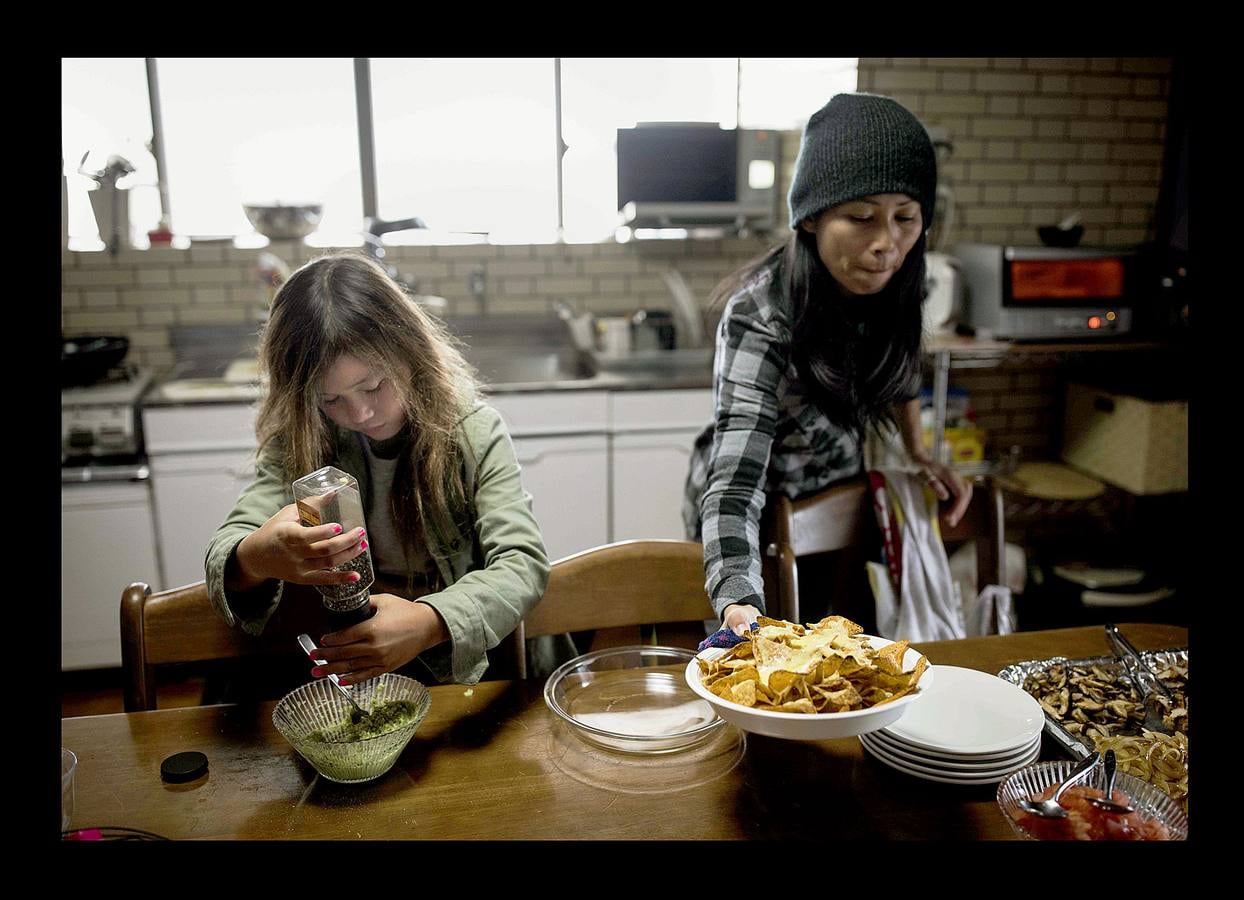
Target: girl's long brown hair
{"x": 345, "y": 303}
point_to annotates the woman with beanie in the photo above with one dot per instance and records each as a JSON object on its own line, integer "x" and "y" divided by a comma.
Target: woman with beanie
{"x": 819, "y": 339}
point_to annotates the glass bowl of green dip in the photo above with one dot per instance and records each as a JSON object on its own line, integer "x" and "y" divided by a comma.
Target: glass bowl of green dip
{"x": 337, "y": 741}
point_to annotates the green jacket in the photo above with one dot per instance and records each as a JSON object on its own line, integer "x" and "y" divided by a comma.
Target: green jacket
{"x": 493, "y": 575}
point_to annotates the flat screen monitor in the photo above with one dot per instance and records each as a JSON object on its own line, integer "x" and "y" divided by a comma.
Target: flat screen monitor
{"x": 677, "y": 164}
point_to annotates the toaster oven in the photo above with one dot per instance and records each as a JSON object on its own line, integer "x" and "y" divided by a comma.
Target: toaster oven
{"x": 1046, "y": 292}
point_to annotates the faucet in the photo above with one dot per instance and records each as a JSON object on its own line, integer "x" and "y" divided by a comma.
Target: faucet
{"x": 475, "y": 283}
{"x": 373, "y": 228}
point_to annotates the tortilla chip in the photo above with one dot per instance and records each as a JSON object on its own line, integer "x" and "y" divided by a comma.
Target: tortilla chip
{"x": 890, "y": 659}
{"x": 744, "y": 693}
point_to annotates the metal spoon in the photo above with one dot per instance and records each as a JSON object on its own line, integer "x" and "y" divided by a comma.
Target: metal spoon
{"x": 1106, "y": 803}
{"x": 1052, "y": 809}
{"x": 308, "y": 645}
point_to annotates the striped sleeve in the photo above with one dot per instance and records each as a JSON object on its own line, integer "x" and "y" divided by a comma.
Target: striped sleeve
{"x": 753, "y": 347}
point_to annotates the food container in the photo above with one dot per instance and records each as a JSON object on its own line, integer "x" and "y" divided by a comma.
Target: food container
{"x": 631, "y": 699}
{"x": 808, "y": 726}
{"x": 1149, "y": 801}
{"x": 1162, "y": 758}
{"x": 1018, "y": 672}
{"x": 318, "y": 706}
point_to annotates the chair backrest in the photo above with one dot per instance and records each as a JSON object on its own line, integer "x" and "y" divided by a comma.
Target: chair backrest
{"x": 841, "y": 517}
{"x": 179, "y": 625}
{"x": 628, "y": 583}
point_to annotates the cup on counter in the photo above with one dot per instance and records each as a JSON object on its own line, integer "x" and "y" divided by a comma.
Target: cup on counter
{"x": 68, "y": 766}
{"x": 613, "y": 335}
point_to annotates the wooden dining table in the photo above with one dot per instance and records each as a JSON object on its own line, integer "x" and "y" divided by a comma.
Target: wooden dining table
{"x": 491, "y": 761}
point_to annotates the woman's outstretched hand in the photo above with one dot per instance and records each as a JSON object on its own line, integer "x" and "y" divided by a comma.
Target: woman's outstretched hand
{"x": 284, "y": 548}
{"x": 738, "y": 617}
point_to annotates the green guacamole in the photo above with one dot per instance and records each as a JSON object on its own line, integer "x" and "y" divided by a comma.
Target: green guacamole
{"x": 384, "y": 718}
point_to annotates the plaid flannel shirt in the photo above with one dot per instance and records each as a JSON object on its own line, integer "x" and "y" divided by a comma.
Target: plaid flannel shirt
{"x": 768, "y": 436}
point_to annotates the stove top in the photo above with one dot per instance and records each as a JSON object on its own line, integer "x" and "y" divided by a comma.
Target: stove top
{"x": 122, "y": 386}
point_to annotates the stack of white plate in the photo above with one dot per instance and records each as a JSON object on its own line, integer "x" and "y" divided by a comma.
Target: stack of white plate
{"x": 970, "y": 728}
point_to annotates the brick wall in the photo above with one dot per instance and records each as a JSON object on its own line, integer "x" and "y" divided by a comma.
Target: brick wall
{"x": 1033, "y": 140}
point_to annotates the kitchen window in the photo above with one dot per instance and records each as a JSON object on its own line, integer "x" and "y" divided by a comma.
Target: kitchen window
{"x": 259, "y": 131}
{"x": 104, "y": 110}
{"x": 468, "y": 145}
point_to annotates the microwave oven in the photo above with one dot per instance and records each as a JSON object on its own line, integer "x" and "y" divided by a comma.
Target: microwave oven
{"x": 1046, "y": 292}
{"x": 677, "y": 174}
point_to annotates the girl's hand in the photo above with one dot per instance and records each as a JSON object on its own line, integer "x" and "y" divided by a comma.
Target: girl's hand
{"x": 398, "y": 632}
{"x": 948, "y": 484}
{"x": 738, "y": 617}
{"x": 284, "y": 548}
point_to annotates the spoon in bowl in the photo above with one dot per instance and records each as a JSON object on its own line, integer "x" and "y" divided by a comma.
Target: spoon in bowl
{"x": 1106, "y": 803}
{"x": 1051, "y": 808}
{"x": 308, "y": 646}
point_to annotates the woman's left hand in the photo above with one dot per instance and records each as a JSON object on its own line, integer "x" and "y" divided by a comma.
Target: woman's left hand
{"x": 398, "y": 632}
{"x": 948, "y": 484}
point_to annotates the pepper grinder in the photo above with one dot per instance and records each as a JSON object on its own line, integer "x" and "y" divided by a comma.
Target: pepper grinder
{"x": 331, "y": 495}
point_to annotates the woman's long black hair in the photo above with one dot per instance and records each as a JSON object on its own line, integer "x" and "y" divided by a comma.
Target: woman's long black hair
{"x": 857, "y": 356}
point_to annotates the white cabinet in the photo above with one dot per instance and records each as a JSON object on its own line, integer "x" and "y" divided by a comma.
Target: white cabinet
{"x": 649, "y": 474}
{"x": 201, "y": 457}
{"x": 600, "y": 466}
{"x": 562, "y": 444}
{"x": 568, "y": 479}
{"x": 653, "y": 434}
{"x": 193, "y": 493}
{"x": 106, "y": 542}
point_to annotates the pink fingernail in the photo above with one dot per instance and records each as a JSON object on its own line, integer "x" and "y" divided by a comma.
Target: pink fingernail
{"x": 318, "y": 673}
{"x": 344, "y": 682}
{"x": 364, "y": 545}
{"x": 356, "y": 577}
{"x": 362, "y": 532}
{"x": 336, "y": 529}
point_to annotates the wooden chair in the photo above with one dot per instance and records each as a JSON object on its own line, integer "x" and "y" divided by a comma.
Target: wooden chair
{"x": 180, "y": 626}
{"x": 841, "y": 518}
{"x": 627, "y": 584}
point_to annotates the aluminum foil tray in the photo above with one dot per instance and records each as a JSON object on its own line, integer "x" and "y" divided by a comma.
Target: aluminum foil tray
{"x": 1016, "y": 673}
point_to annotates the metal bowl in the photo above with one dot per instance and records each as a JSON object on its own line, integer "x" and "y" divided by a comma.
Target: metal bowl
{"x": 284, "y": 223}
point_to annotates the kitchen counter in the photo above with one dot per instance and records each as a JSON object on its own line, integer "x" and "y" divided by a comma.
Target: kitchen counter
{"x": 182, "y": 390}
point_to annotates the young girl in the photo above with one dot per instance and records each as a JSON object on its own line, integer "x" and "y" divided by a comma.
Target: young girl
{"x": 819, "y": 339}
{"x": 359, "y": 377}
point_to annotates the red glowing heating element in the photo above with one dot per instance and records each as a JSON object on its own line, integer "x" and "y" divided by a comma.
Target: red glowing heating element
{"x": 1066, "y": 279}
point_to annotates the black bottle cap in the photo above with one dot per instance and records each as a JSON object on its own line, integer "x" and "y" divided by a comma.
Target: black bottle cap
{"x": 183, "y": 766}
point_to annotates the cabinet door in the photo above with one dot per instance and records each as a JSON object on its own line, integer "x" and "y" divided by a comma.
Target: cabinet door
{"x": 568, "y": 479}
{"x": 193, "y": 493}
{"x": 649, "y": 474}
{"x": 106, "y": 542}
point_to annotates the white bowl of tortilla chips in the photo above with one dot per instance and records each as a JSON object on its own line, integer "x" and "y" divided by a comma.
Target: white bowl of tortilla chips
{"x": 811, "y": 683}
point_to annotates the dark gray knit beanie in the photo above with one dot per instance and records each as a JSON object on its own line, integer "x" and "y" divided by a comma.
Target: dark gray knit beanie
{"x": 861, "y": 144}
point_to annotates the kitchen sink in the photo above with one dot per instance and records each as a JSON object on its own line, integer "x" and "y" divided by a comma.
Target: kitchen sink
{"x": 656, "y": 363}
{"x": 207, "y": 389}
{"x": 515, "y": 348}
{"x": 508, "y": 365}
